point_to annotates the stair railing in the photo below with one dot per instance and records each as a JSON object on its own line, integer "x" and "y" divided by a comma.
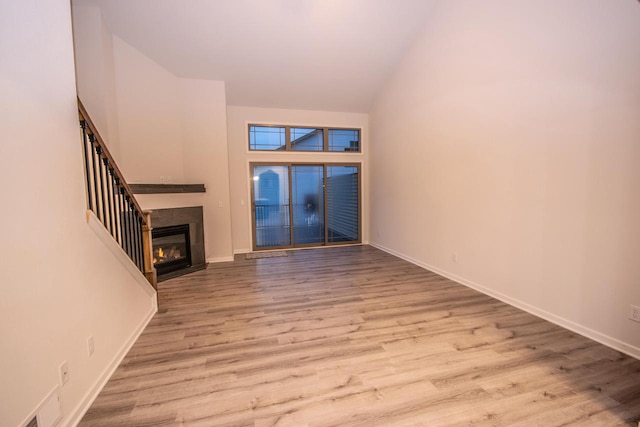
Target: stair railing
{"x": 111, "y": 200}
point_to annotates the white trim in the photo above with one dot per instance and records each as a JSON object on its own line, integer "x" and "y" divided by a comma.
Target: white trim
{"x": 317, "y": 162}
{"x": 302, "y": 125}
{"x": 220, "y": 259}
{"x": 106, "y": 238}
{"x": 277, "y": 123}
{"x": 36, "y": 411}
{"x": 81, "y": 408}
{"x": 305, "y": 153}
{"x": 85, "y": 403}
{"x": 604, "y": 339}
{"x": 249, "y": 208}
{"x": 302, "y": 248}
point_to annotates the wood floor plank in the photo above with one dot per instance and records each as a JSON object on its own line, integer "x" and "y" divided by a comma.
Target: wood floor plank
{"x": 352, "y": 336}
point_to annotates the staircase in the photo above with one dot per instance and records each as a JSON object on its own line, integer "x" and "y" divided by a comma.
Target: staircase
{"x": 110, "y": 198}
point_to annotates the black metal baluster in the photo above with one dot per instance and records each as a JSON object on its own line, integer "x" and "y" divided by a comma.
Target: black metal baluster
{"x": 112, "y": 204}
{"x": 100, "y": 173}
{"x": 114, "y": 216}
{"x": 123, "y": 218}
{"x": 105, "y": 196}
{"x": 127, "y": 221}
{"x": 130, "y": 229}
{"x": 141, "y": 240}
{"x": 134, "y": 248}
{"x": 125, "y": 215}
{"x": 134, "y": 236}
{"x": 95, "y": 148}
{"x": 118, "y": 206}
{"x": 138, "y": 235}
{"x": 83, "y": 125}
{"x": 140, "y": 230}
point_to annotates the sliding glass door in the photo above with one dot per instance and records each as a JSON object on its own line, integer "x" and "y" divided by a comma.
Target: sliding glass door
{"x": 298, "y": 205}
{"x": 307, "y": 183}
{"x": 343, "y": 203}
{"x": 271, "y": 213}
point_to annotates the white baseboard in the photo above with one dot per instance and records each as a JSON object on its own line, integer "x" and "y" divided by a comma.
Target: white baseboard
{"x": 82, "y": 407}
{"x": 558, "y": 320}
{"x": 248, "y": 251}
{"x": 78, "y": 412}
{"x": 52, "y": 397}
{"x": 220, "y": 259}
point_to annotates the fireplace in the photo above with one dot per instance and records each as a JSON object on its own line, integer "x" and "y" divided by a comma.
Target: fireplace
{"x": 171, "y": 248}
{"x": 178, "y": 241}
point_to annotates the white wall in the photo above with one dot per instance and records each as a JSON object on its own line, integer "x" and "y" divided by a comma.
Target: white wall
{"x": 509, "y": 139}
{"x": 148, "y": 108}
{"x": 202, "y": 117}
{"x": 204, "y": 133}
{"x": 175, "y": 130}
{"x": 96, "y": 74}
{"x": 238, "y": 119}
{"x": 60, "y": 283}
{"x": 169, "y": 129}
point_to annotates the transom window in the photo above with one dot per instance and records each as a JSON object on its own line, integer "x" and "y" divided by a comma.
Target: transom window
{"x": 267, "y": 137}
{"x": 291, "y": 138}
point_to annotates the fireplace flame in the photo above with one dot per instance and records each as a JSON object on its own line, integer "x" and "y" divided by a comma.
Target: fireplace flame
{"x": 161, "y": 254}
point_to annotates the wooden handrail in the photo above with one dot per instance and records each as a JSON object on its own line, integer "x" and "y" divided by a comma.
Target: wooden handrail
{"x": 112, "y": 201}
{"x": 94, "y": 130}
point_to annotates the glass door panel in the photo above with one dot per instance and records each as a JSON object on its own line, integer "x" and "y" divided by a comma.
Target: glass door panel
{"x": 271, "y": 206}
{"x": 343, "y": 204}
{"x": 308, "y": 204}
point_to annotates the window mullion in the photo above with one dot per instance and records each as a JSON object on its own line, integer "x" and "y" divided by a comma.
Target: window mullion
{"x": 325, "y": 139}
{"x": 287, "y": 138}
{"x": 324, "y": 195}
{"x": 291, "y": 242}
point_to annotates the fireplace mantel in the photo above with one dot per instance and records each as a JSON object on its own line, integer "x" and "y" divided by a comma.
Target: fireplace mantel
{"x": 167, "y": 188}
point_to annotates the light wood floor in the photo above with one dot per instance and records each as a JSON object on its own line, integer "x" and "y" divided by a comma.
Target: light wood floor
{"x": 352, "y": 336}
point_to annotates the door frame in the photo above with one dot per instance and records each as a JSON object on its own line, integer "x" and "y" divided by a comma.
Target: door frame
{"x": 289, "y": 165}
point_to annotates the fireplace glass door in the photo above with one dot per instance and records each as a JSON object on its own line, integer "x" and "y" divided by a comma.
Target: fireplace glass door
{"x": 171, "y": 248}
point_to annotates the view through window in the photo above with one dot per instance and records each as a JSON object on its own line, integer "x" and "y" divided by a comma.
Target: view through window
{"x": 291, "y": 138}
{"x": 305, "y": 204}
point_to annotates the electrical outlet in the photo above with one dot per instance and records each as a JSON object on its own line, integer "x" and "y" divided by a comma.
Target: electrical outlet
{"x": 454, "y": 257}
{"x": 634, "y": 313}
{"x": 64, "y": 372}
{"x": 90, "y": 345}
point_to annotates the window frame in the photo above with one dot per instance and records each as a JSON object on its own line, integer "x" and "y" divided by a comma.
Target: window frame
{"x": 287, "y": 136}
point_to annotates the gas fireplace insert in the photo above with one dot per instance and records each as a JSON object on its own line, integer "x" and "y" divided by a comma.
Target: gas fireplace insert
{"x": 171, "y": 248}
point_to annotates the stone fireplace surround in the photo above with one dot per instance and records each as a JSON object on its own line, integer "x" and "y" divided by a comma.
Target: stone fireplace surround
{"x": 178, "y": 216}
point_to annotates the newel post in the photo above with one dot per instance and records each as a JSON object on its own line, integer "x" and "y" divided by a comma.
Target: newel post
{"x": 149, "y": 270}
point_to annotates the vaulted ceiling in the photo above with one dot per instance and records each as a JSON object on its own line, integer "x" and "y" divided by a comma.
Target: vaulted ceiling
{"x": 329, "y": 55}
